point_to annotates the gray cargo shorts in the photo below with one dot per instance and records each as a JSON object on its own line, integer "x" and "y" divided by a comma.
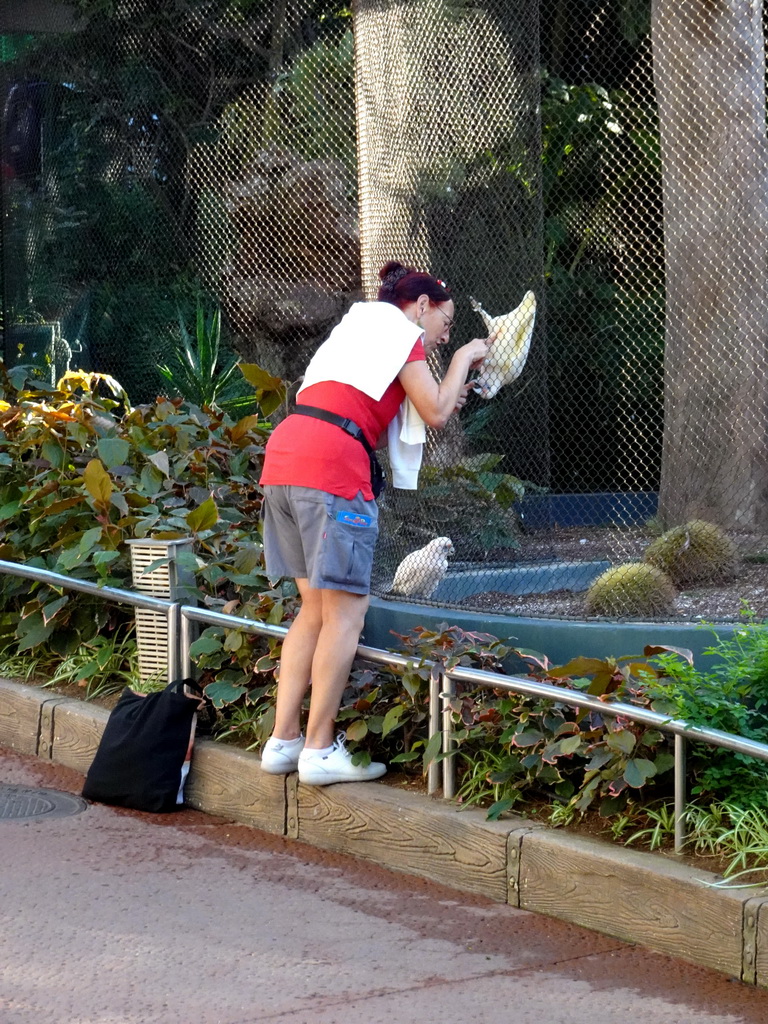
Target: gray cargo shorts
{"x": 313, "y": 535}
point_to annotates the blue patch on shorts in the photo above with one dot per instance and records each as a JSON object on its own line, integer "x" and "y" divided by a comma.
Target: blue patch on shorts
{"x": 354, "y": 518}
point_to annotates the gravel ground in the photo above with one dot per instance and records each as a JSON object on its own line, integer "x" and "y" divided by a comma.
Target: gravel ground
{"x": 724, "y": 601}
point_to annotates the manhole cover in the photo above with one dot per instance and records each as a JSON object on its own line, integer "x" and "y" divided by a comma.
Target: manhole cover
{"x": 34, "y": 804}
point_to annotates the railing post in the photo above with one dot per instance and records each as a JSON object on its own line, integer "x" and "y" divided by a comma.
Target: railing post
{"x": 434, "y": 772}
{"x": 188, "y": 669}
{"x": 174, "y": 618}
{"x": 680, "y": 791}
{"x": 449, "y": 759}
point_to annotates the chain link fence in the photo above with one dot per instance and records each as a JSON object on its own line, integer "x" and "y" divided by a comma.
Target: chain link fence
{"x": 589, "y": 177}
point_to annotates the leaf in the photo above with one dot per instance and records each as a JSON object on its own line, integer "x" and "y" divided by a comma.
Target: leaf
{"x": 233, "y": 641}
{"x": 57, "y": 506}
{"x": 275, "y": 616}
{"x": 221, "y": 693}
{"x": 105, "y": 557}
{"x": 598, "y": 760}
{"x": 119, "y": 502}
{"x": 663, "y": 762}
{"x": 247, "y": 558}
{"x": 683, "y": 652}
{"x": 610, "y": 805}
{"x": 203, "y": 517}
{"x": 243, "y": 427}
{"x": 580, "y": 667}
{"x": 357, "y": 730}
{"x": 432, "y": 749}
{"x": 411, "y": 755}
{"x": 97, "y": 482}
{"x": 32, "y": 630}
{"x": 571, "y": 744}
{"x": 637, "y": 772}
{"x": 259, "y": 378}
{"x": 161, "y": 462}
{"x": 11, "y": 509}
{"x": 496, "y": 810}
{"x": 151, "y": 480}
{"x": 113, "y": 451}
{"x": 54, "y": 453}
{"x": 205, "y": 645}
{"x": 527, "y": 738}
{"x": 623, "y": 741}
{"x": 50, "y": 609}
{"x": 392, "y": 719}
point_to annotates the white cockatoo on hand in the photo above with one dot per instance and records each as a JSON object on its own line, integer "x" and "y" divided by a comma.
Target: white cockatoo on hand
{"x": 510, "y": 336}
{"x": 420, "y": 572}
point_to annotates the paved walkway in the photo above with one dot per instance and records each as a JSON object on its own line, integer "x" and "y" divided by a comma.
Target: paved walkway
{"x": 115, "y": 917}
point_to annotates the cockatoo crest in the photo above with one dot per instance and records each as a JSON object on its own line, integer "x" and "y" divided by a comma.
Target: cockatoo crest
{"x": 420, "y": 572}
{"x": 510, "y": 340}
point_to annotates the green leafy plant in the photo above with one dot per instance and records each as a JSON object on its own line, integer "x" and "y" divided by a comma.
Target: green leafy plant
{"x": 660, "y": 829}
{"x": 81, "y": 472}
{"x": 101, "y": 666}
{"x": 732, "y": 696}
{"x": 198, "y": 375}
{"x": 579, "y": 758}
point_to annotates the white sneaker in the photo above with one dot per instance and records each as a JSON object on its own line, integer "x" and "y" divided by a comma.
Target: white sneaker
{"x": 278, "y": 757}
{"x": 320, "y": 769}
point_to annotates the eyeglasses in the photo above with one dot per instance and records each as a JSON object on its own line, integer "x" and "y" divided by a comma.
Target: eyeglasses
{"x": 448, "y": 319}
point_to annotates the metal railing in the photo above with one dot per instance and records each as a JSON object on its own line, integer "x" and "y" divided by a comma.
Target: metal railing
{"x": 171, "y": 609}
{"x": 442, "y": 684}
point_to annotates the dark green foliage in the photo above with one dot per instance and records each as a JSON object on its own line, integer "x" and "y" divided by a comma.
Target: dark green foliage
{"x": 106, "y": 238}
{"x": 596, "y": 324}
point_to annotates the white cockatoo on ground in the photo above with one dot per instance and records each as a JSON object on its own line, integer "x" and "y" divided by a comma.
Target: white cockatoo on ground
{"x": 510, "y": 336}
{"x": 420, "y": 572}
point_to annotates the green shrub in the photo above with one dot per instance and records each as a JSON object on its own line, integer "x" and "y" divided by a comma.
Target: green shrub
{"x": 630, "y": 589}
{"x": 731, "y": 696}
{"x": 692, "y": 554}
{"x": 81, "y": 472}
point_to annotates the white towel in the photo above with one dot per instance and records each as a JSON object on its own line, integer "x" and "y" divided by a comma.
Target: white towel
{"x": 367, "y": 349}
{"x": 406, "y": 435}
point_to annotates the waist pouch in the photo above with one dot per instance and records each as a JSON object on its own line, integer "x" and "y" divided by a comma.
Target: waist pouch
{"x": 378, "y": 479}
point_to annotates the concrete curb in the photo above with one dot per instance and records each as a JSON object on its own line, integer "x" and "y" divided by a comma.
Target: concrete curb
{"x": 635, "y": 896}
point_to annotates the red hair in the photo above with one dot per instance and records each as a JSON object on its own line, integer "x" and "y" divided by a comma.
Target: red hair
{"x": 402, "y": 285}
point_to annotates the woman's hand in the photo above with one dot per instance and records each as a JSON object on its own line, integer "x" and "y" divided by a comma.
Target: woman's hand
{"x": 461, "y": 401}
{"x": 477, "y": 351}
{"x": 435, "y": 402}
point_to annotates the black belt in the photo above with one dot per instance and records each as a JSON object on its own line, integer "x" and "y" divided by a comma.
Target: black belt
{"x": 347, "y": 425}
{"x": 351, "y": 428}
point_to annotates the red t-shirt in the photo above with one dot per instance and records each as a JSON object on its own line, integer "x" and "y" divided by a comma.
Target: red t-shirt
{"x": 312, "y": 453}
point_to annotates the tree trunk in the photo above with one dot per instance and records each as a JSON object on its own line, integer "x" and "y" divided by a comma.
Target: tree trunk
{"x": 709, "y": 69}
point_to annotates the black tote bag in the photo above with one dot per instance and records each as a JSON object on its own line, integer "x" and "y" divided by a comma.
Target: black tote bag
{"x": 140, "y": 761}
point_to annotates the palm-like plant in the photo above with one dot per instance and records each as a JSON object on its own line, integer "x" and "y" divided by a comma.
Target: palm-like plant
{"x": 195, "y": 373}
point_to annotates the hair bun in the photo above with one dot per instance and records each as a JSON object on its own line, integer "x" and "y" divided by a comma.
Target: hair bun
{"x": 393, "y": 272}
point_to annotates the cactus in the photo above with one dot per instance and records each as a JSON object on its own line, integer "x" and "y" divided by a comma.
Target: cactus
{"x": 631, "y": 589}
{"x": 695, "y": 553}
